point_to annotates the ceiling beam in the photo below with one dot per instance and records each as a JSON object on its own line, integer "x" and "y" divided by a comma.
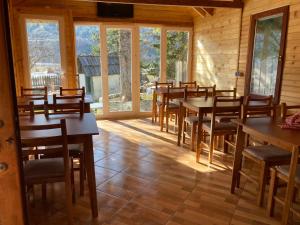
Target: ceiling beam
{"x": 191, "y": 3}
{"x": 209, "y": 11}
{"x": 199, "y": 11}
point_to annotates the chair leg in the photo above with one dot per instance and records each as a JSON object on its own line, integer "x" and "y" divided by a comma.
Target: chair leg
{"x": 225, "y": 144}
{"x": 82, "y": 173}
{"x": 44, "y": 192}
{"x": 211, "y": 148}
{"x": 68, "y": 190}
{"x": 167, "y": 121}
{"x": 272, "y": 192}
{"x": 262, "y": 184}
{"x": 193, "y": 136}
{"x": 183, "y": 133}
{"x": 72, "y": 182}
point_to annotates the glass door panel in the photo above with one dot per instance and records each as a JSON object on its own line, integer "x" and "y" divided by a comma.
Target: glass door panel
{"x": 119, "y": 58}
{"x": 88, "y": 63}
{"x": 44, "y": 53}
{"x": 150, "y": 41}
{"x": 177, "y": 55}
{"x": 266, "y": 52}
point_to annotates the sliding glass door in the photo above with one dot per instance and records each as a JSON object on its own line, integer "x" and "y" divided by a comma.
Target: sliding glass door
{"x": 119, "y": 64}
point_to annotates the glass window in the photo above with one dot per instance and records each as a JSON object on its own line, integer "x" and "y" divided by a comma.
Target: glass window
{"x": 44, "y": 53}
{"x": 177, "y": 55}
{"x": 149, "y": 64}
{"x": 88, "y": 63}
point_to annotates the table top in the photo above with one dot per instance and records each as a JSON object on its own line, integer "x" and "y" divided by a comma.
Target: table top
{"x": 76, "y": 125}
{"x": 23, "y": 101}
{"x": 266, "y": 127}
{"x": 164, "y": 90}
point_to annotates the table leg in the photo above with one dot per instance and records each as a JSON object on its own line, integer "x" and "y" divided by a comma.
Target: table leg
{"x": 199, "y": 135}
{"x": 87, "y": 108}
{"x": 162, "y": 113}
{"x": 290, "y": 187}
{"x": 237, "y": 161}
{"x": 154, "y": 106}
{"x": 90, "y": 170}
{"x": 180, "y": 122}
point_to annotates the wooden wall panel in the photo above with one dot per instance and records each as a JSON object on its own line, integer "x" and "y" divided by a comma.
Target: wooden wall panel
{"x": 226, "y": 21}
{"x": 215, "y": 48}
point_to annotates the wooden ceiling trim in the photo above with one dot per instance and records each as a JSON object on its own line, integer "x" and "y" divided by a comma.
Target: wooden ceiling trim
{"x": 191, "y": 3}
{"x": 200, "y": 11}
{"x": 209, "y": 11}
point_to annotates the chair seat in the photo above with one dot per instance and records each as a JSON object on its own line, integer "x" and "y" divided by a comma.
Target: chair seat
{"x": 220, "y": 119}
{"x": 267, "y": 152}
{"x": 284, "y": 169}
{"x": 173, "y": 106}
{"x": 220, "y": 127}
{"x": 43, "y": 169}
{"x": 194, "y": 119}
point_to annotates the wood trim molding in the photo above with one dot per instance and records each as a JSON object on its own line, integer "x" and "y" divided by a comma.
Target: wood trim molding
{"x": 192, "y": 3}
{"x": 253, "y": 20}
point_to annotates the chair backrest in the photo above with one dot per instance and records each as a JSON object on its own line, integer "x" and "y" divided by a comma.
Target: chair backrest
{"x": 192, "y": 84}
{"x": 163, "y": 84}
{"x": 65, "y": 105}
{"x": 210, "y": 89}
{"x": 72, "y": 91}
{"x": 26, "y": 110}
{"x": 34, "y": 93}
{"x": 48, "y": 140}
{"x": 173, "y": 93}
{"x": 258, "y": 106}
{"x": 226, "y": 106}
{"x": 288, "y": 110}
{"x": 225, "y": 92}
{"x": 198, "y": 92}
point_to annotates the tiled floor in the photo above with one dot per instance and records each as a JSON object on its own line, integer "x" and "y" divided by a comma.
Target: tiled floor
{"x": 144, "y": 178}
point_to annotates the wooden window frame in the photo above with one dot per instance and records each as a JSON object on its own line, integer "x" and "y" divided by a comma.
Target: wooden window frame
{"x": 285, "y": 11}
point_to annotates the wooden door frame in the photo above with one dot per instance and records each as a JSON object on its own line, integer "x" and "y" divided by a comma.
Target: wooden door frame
{"x": 13, "y": 204}
{"x": 254, "y": 18}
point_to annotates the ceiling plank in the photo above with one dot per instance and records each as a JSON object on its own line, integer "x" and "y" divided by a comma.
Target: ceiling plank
{"x": 199, "y": 11}
{"x": 191, "y": 3}
{"x": 209, "y": 11}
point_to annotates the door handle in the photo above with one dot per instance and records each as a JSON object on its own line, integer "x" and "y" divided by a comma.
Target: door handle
{"x": 280, "y": 58}
{"x": 10, "y": 140}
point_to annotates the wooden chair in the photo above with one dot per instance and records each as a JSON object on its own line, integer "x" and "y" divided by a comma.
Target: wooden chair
{"x": 214, "y": 128}
{"x": 26, "y": 110}
{"x": 265, "y": 156}
{"x": 225, "y": 92}
{"x": 210, "y": 89}
{"x": 282, "y": 172}
{"x": 72, "y": 107}
{"x": 192, "y": 84}
{"x": 172, "y": 108}
{"x": 72, "y": 91}
{"x": 54, "y": 168}
{"x": 191, "y": 119}
{"x": 34, "y": 93}
{"x": 157, "y": 106}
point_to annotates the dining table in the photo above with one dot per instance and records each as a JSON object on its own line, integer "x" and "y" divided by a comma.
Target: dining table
{"x": 270, "y": 131}
{"x": 201, "y": 106}
{"x": 163, "y": 92}
{"x": 80, "y": 130}
{"x": 39, "y": 103}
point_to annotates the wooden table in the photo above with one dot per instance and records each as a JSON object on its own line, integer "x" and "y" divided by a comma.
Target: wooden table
{"x": 39, "y": 104}
{"x": 268, "y": 130}
{"x": 163, "y": 92}
{"x": 200, "y": 105}
{"x": 79, "y": 130}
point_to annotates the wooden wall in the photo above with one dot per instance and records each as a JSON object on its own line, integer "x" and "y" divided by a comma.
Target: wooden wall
{"x": 216, "y": 47}
{"x": 73, "y": 11}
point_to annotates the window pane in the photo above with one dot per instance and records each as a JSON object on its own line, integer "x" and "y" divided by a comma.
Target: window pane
{"x": 149, "y": 64}
{"x": 88, "y": 63}
{"x": 119, "y": 69}
{"x": 265, "y": 55}
{"x": 177, "y": 55}
{"x": 44, "y": 53}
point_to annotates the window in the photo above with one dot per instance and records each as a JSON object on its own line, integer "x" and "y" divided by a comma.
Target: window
{"x": 44, "y": 53}
{"x": 266, "y": 53}
{"x": 149, "y": 64}
{"x": 88, "y": 63}
{"x": 177, "y": 55}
